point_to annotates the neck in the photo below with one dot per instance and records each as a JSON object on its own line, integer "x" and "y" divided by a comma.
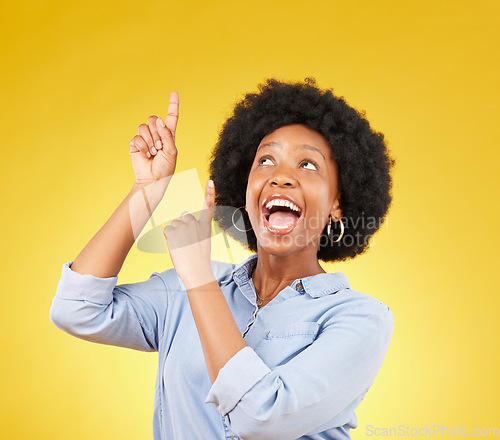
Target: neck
{"x": 273, "y": 273}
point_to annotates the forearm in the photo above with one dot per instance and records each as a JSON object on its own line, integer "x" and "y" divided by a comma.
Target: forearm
{"x": 189, "y": 244}
{"x": 220, "y": 337}
{"x": 104, "y": 255}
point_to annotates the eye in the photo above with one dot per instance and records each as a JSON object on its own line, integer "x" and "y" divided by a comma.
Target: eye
{"x": 265, "y": 161}
{"x": 308, "y": 165}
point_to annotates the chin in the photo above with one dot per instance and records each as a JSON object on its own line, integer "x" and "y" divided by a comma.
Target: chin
{"x": 284, "y": 245}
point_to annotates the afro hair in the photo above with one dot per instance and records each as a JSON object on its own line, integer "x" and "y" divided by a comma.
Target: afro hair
{"x": 360, "y": 152}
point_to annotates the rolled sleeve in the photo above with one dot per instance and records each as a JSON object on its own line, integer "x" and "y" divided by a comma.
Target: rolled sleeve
{"x": 235, "y": 379}
{"x": 75, "y": 286}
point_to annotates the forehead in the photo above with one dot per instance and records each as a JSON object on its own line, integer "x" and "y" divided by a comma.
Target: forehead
{"x": 298, "y": 136}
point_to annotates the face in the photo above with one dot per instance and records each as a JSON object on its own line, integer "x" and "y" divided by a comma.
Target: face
{"x": 292, "y": 190}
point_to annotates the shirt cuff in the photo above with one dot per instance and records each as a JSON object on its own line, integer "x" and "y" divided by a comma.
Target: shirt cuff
{"x": 75, "y": 286}
{"x": 235, "y": 379}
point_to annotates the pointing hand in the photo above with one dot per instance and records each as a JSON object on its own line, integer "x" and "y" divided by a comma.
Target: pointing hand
{"x": 153, "y": 150}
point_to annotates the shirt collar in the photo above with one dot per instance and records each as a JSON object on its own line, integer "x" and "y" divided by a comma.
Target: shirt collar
{"x": 324, "y": 284}
{"x": 315, "y": 286}
{"x": 241, "y": 272}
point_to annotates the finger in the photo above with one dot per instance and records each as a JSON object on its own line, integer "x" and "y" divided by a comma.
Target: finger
{"x": 176, "y": 223}
{"x": 169, "y": 231}
{"x": 188, "y": 216}
{"x": 172, "y": 113}
{"x": 154, "y": 132}
{"x": 138, "y": 144}
{"x": 148, "y": 138}
{"x": 166, "y": 137}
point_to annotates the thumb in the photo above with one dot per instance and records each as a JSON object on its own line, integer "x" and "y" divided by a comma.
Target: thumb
{"x": 208, "y": 204}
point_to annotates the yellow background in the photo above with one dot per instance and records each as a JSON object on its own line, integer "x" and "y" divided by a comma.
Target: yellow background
{"x": 79, "y": 77}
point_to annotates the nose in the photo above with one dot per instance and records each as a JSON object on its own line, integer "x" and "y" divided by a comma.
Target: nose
{"x": 282, "y": 178}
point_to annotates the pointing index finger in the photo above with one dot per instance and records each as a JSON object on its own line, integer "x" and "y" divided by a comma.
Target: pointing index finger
{"x": 172, "y": 113}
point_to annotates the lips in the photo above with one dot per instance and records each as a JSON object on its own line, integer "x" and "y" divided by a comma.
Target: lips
{"x": 280, "y": 214}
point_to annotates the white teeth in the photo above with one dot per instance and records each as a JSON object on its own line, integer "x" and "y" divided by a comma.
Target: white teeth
{"x": 281, "y": 202}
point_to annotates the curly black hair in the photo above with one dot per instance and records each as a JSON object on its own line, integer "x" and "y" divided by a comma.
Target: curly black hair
{"x": 360, "y": 152}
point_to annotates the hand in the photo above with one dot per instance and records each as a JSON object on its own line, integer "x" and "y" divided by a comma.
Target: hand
{"x": 188, "y": 242}
{"x": 153, "y": 150}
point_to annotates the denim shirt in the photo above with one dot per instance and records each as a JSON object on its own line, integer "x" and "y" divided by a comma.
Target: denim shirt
{"x": 312, "y": 352}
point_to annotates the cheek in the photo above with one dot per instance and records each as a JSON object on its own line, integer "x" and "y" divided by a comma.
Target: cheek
{"x": 320, "y": 205}
{"x": 251, "y": 196}
{"x": 255, "y": 186}
{"x": 248, "y": 205}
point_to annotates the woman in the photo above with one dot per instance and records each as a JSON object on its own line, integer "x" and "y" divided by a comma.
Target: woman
{"x": 272, "y": 348}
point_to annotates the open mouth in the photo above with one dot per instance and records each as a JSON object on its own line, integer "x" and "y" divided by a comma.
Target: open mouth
{"x": 280, "y": 215}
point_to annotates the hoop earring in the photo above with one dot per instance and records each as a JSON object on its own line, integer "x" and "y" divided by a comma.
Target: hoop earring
{"x": 234, "y": 224}
{"x": 329, "y": 230}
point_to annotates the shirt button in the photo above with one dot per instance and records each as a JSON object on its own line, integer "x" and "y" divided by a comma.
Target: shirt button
{"x": 299, "y": 286}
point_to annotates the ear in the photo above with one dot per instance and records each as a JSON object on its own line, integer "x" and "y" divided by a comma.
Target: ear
{"x": 336, "y": 211}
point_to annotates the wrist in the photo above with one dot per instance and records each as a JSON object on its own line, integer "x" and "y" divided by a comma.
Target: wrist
{"x": 152, "y": 183}
{"x": 198, "y": 279}
{"x": 152, "y": 190}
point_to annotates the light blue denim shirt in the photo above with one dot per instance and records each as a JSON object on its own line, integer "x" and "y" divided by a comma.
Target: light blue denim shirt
{"x": 312, "y": 352}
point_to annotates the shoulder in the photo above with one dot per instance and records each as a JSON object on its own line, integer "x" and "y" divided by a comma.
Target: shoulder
{"x": 366, "y": 312}
{"x": 357, "y": 300}
{"x": 341, "y": 301}
{"x": 364, "y": 304}
{"x": 336, "y": 288}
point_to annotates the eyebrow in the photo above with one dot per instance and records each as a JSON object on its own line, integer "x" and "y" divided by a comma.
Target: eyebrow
{"x": 303, "y": 146}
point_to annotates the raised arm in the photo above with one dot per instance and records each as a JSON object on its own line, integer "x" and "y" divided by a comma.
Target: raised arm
{"x": 154, "y": 156}
{"x": 88, "y": 304}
